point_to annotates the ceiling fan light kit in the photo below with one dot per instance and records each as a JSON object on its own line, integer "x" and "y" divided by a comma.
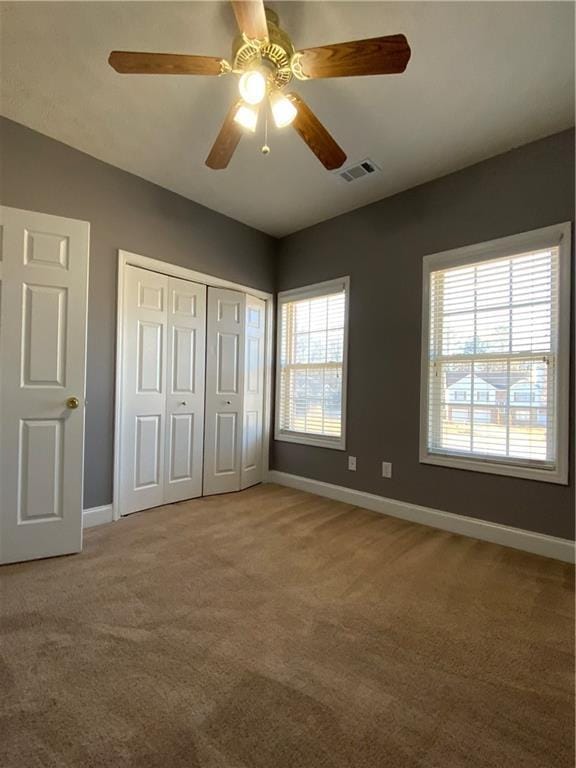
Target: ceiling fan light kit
{"x": 265, "y": 58}
{"x": 283, "y": 109}
{"x": 252, "y": 86}
{"x": 247, "y": 116}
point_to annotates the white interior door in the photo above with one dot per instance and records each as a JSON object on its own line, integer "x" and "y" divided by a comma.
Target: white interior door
{"x": 224, "y": 390}
{"x": 185, "y": 391}
{"x": 253, "y": 430}
{"x": 42, "y": 385}
{"x": 144, "y": 389}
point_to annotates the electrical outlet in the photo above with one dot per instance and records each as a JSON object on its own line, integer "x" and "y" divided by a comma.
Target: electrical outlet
{"x": 352, "y": 463}
{"x": 387, "y": 469}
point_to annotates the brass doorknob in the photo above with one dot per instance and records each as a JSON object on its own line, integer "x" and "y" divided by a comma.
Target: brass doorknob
{"x": 72, "y": 402}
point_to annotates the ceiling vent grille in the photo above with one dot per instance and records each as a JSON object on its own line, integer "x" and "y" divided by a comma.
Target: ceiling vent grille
{"x": 361, "y": 170}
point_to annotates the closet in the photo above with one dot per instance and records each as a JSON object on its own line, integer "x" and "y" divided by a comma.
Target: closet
{"x": 192, "y": 390}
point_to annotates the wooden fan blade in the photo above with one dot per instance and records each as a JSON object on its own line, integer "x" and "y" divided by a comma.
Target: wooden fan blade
{"x": 375, "y": 56}
{"x": 251, "y": 18}
{"x": 132, "y": 63}
{"x": 226, "y": 142}
{"x": 316, "y": 136}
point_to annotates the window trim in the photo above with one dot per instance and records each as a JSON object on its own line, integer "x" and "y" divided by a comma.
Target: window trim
{"x": 313, "y": 291}
{"x": 558, "y": 235}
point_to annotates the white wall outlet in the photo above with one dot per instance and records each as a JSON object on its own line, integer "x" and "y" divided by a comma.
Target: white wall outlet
{"x": 387, "y": 469}
{"x": 352, "y": 463}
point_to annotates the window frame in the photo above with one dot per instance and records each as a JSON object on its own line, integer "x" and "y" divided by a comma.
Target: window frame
{"x": 308, "y": 292}
{"x": 558, "y": 235}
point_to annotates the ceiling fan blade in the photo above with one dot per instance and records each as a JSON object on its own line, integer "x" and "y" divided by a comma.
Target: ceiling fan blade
{"x": 316, "y": 136}
{"x": 251, "y": 18}
{"x": 226, "y": 142}
{"x": 375, "y": 56}
{"x": 133, "y": 63}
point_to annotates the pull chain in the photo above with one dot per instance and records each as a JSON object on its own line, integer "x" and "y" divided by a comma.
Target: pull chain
{"x": 266, "y": 148}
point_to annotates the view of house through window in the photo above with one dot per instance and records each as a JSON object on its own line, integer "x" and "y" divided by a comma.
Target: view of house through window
{"x": 311, "y": 363}
{"x": 493, "y": 340}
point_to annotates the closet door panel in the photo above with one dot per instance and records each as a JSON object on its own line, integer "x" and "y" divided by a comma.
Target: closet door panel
{"x": 144, "y": 390}
{"x": 226, "y": 439}
{"x": 252, "y": 465}
{"x": 182, "y": 446}
{"x": 147, "y": 465}
{"x": 186, "y": 324}
{"x": 224, "y": 390}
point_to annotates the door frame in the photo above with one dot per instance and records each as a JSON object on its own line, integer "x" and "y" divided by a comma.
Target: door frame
{"x": 127, "y": 259}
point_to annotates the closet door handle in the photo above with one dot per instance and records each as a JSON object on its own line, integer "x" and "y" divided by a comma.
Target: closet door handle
{"x": 228, "y": 402}
{"x": 183, "y": 402}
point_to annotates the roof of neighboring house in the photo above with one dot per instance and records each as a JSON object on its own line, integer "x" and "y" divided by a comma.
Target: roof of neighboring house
{"x": 499, "y": 380}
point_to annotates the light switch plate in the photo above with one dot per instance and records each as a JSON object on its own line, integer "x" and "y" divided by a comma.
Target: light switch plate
{"x": 352, "y": 463}
{"x": 387, "y": 469}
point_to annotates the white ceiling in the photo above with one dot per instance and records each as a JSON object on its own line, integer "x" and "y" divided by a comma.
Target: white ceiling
{"x": 484, "y": 77}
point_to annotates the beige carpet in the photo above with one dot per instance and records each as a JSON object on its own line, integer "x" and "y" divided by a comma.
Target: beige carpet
{"x": 274, "y": 629}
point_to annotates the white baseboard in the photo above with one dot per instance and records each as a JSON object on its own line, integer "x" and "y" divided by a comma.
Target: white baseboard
{"x": 518, "y": 538}
{"x": 97, "y": 516}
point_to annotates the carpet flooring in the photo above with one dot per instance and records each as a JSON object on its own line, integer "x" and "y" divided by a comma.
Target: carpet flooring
{"x": 275, "y": 629}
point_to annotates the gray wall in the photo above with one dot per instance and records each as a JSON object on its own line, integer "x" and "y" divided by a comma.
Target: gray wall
{"x": 40, "y": 174}
{"x": 381, "y": 247}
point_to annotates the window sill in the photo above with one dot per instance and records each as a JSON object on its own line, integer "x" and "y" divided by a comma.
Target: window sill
{"x": 558, "y": 475}
{"x": 318, "y": 441}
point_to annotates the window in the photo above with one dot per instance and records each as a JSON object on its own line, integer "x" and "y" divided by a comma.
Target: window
{"x": 311, "y": 364}
{"x": 496, "y": 325}
{"x": 521, "y": 397}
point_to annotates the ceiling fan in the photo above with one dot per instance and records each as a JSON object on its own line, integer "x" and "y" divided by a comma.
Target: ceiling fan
{"x": 264, "y": 57}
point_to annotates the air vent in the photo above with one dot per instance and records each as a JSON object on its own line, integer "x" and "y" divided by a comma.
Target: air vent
{"x": 355, "y": 172}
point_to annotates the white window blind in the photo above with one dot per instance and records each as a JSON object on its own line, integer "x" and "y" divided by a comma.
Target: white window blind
{"x": 493, "y": 359}
{"x": 311, "y": 365}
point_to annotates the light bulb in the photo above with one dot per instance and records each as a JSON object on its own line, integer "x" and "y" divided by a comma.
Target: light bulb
{"x": 283, "y": 110}
{"x": 252, "y": 86}
{"x": 247, "y": 117}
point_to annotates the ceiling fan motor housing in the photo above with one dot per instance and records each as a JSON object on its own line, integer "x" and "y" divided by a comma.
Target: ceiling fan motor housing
{"x": 274, "y": 54}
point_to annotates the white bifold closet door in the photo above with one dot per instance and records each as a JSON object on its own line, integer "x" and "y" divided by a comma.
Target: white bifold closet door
{"x": 253, "y": 421}
{"x": 234, "y": 391}
{"x": 163, "y": 389}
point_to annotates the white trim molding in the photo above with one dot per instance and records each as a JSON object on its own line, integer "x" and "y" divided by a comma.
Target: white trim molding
{"x": 505, "y": 535}
{"x": 97, "y": 516}
{"x": 127, "y": 258}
